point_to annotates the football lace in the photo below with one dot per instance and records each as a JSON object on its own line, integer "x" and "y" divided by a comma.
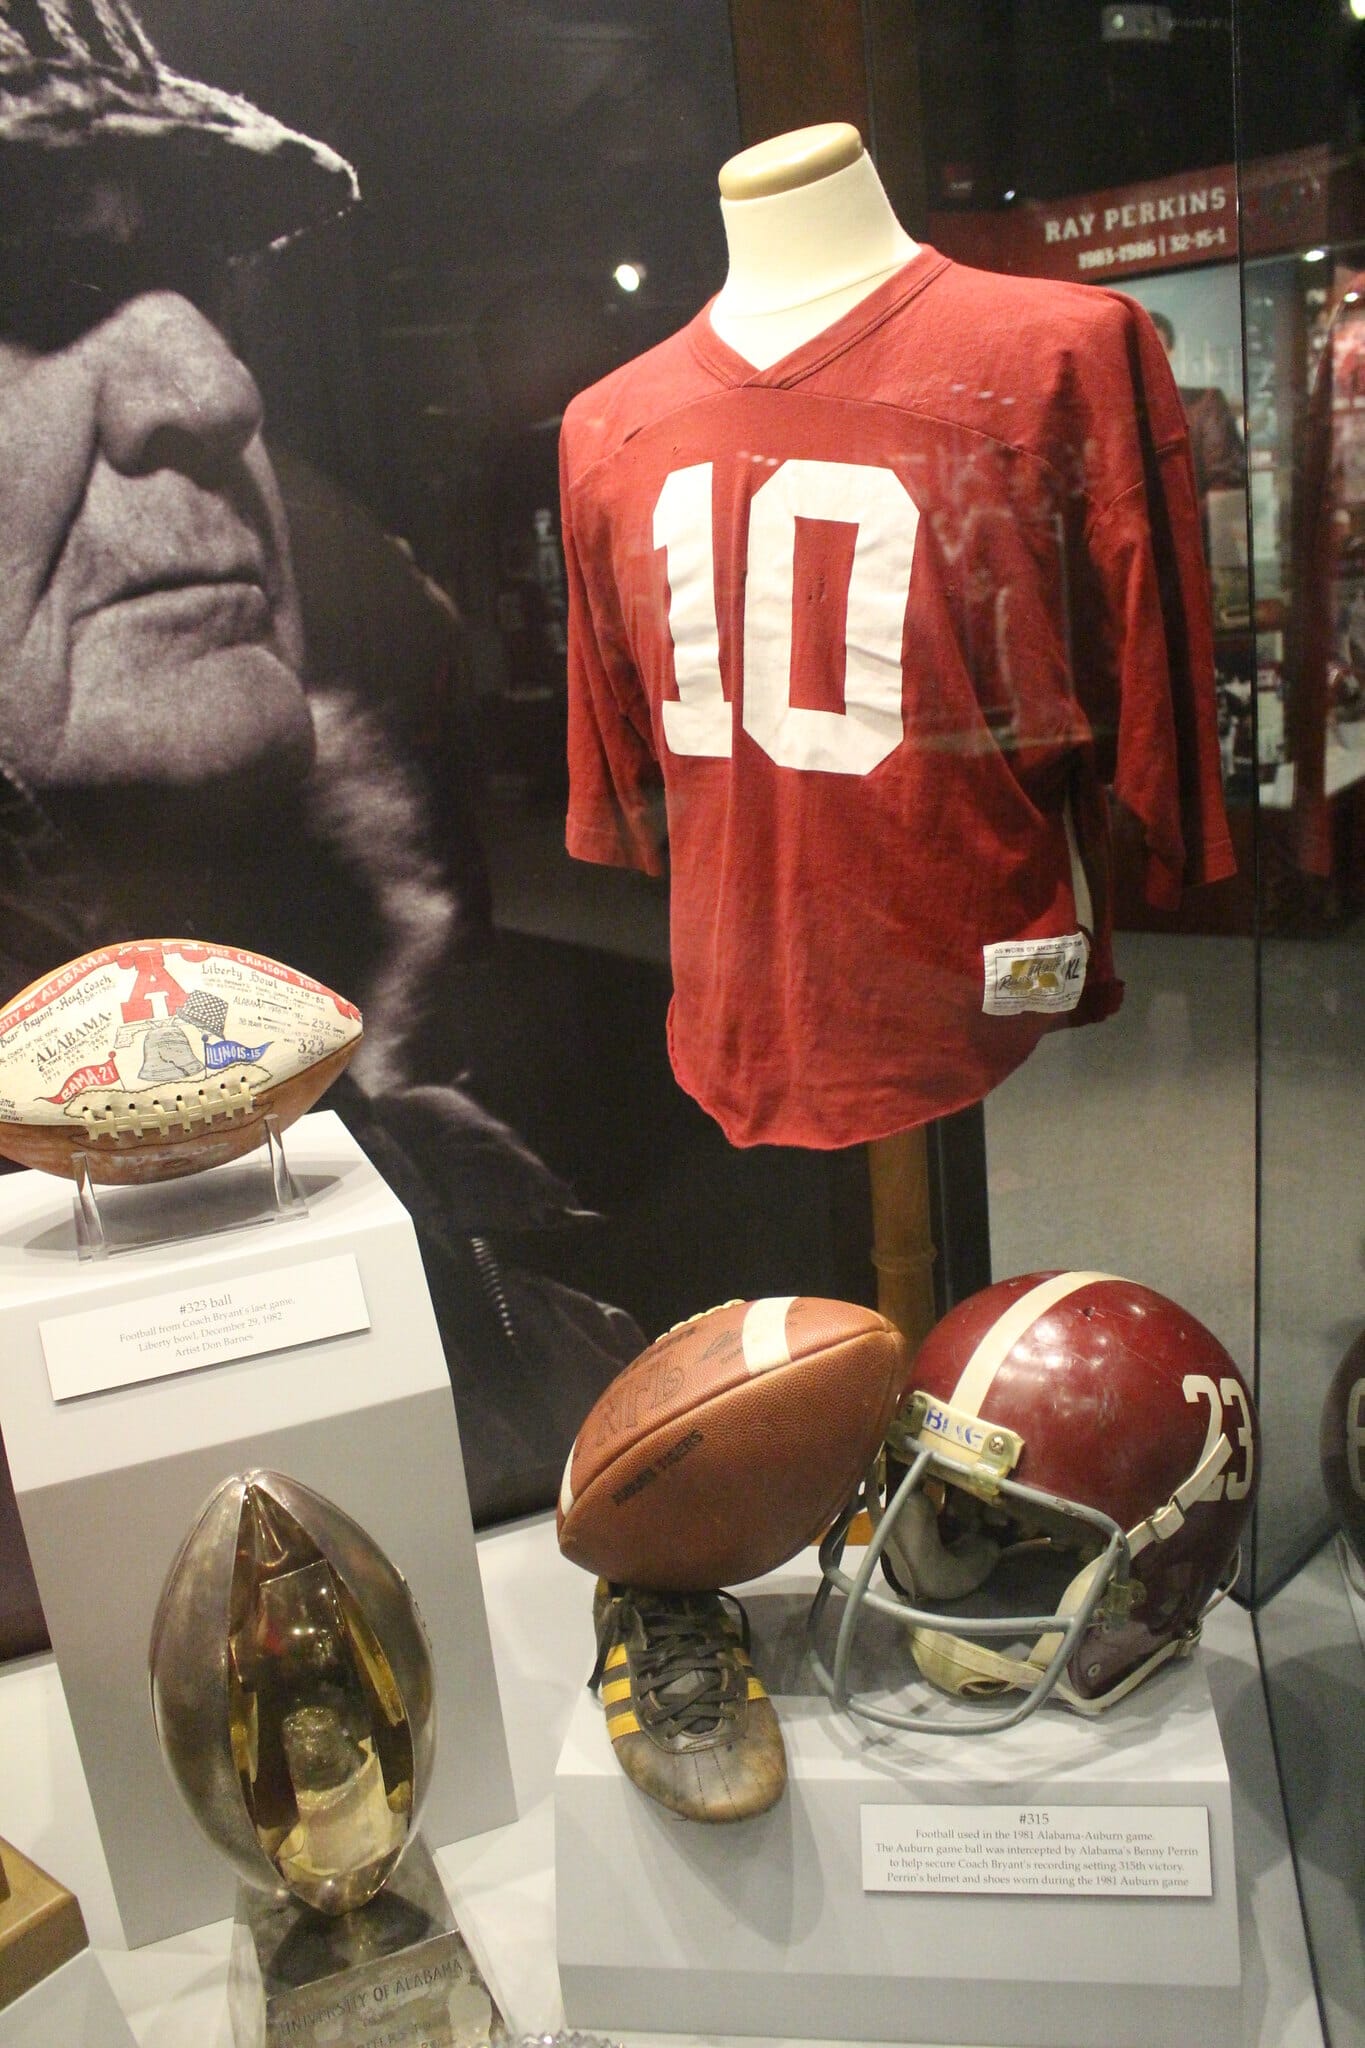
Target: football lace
{"x": 113, "y": 1117}
{"x": 735, "y": 1301}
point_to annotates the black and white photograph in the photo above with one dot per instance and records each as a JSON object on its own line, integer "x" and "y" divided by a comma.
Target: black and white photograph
{"x": 293, "y": 301}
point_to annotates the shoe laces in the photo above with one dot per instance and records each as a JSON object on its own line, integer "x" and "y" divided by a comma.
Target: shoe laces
{"x": 684, "y": 1673}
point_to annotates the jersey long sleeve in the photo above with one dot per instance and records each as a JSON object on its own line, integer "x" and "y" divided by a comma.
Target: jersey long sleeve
{"x": 860, "y": 640}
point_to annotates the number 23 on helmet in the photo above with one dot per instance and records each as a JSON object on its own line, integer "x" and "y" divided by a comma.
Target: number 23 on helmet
{"x": 1064, "y": 1495}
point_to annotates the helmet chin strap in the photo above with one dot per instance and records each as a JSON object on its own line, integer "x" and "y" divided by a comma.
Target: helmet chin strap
{"x": 1163, "y": 1523}
{"x": 970, "y": 1670}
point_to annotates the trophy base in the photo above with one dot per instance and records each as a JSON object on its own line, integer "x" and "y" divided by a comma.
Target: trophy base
{"x": 40, "y": 1925}
{"x": 396, "y": 1973}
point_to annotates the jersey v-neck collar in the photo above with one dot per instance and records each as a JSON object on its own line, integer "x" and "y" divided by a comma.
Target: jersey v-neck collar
{"x": 729, "y": 367}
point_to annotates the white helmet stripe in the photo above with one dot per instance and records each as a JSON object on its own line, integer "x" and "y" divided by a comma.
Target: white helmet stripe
{"x": 764, "y": 1333}
{"x": 978, "y": 1374}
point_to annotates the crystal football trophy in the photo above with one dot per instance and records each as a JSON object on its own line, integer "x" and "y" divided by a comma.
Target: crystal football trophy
{"x": 293, "y": 1695}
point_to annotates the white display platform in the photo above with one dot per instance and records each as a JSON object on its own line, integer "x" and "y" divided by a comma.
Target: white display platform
{"x": 768, "y": 1927}
{"x": 70, "y": 2009}
{"x": 109, "y": 1484}
{"x": 1312, "y": 1633}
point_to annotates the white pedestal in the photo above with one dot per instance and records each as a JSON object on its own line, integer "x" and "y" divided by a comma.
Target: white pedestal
{"x": 764, "y": 1927}
{"x": 108, "y": 1485}
{"x": 71, "y": 2008}
{"x": 1311, "y": 1637}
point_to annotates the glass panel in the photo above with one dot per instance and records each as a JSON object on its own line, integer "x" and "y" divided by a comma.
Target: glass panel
{"x": 1094, "y": 145}
{"x": 1308, "y": 501}
{"x": 319, "y": 604}
{"x": 1301, "y": 125}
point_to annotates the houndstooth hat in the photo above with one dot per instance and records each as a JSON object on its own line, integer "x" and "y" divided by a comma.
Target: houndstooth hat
{"x": 82, "y": 74}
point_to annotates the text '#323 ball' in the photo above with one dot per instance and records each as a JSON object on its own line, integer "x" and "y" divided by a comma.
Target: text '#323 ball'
{"x": 731, "y": 1443}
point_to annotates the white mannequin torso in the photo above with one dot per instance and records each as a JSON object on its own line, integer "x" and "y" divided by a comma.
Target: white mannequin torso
{"x": 810, "y": 232}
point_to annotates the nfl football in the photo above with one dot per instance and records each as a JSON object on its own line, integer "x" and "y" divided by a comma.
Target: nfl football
{"x": 160, "y": 1057}
{"x": 731, "y": 1443}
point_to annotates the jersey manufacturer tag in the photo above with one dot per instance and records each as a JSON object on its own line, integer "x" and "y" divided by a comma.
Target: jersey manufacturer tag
{"x": 1034, "y": 974}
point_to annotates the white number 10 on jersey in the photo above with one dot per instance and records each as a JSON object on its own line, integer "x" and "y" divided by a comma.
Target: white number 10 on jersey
{"x": 849, "y": 742}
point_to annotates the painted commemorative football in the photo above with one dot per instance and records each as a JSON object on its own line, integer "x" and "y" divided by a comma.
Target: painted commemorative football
{"x": 731, "y": 1443}
{"x": 160, "y": 1057}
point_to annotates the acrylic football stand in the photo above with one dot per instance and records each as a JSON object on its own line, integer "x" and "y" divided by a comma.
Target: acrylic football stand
{"x": 257, "y": 1189}
{"x": 134, "y": 1386}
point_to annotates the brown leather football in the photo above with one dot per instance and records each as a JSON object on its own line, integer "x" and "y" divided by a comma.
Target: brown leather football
{"x": 731, "y": 1443}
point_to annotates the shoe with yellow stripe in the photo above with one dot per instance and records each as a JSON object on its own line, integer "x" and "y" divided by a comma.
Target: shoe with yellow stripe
{"x": 687, "y": 1714}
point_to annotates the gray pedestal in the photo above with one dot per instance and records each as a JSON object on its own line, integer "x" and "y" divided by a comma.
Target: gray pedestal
{"x": 766, "y": 1927}
{"x": 109, "y": 1483}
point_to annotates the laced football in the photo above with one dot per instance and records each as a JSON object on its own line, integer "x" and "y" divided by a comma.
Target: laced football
{"x": 731, "y": 1443}
{"x": 160, "y": 1057}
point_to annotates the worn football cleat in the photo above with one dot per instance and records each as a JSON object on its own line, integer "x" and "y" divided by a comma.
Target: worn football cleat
{"x": 687, "y": 1715}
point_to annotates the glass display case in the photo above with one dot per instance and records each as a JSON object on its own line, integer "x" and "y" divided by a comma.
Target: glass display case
{"x": 534, "y": 207}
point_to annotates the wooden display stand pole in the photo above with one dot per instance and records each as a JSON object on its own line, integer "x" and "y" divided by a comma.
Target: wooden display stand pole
{"x": 902, "y": 1233}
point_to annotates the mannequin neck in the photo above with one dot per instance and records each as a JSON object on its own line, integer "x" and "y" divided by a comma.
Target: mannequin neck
{"x": 801, "y": 259}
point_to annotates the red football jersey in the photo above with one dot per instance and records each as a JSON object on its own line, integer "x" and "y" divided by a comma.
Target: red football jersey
{"x": 861, "y": 638}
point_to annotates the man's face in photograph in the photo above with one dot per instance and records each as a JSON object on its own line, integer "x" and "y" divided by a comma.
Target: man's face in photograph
{"x": 149, "y": 622}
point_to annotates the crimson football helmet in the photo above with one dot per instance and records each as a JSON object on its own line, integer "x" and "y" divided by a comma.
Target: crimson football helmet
{"x": 1342, "y": 1447}
{"x": 1071, "y": 1442}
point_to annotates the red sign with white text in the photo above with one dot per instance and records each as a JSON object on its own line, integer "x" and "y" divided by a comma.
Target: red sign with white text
{"x": 1098, "y": 236}
{"x": 1165, "y": 224}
